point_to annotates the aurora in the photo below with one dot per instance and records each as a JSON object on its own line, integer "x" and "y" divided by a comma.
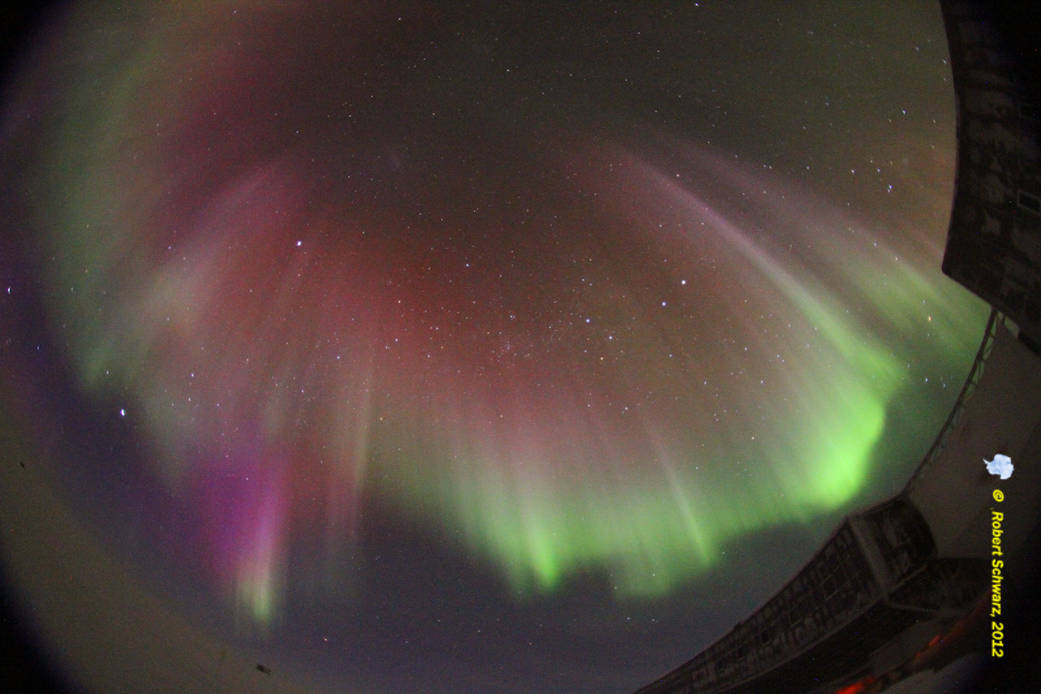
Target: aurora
{"x": 340, "y": 272}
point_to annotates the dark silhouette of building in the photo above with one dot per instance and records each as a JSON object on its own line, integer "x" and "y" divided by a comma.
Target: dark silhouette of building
{"x": 876, "y": 577}
{"x": 894, "y": 579}
{"x": 994, "y": 243}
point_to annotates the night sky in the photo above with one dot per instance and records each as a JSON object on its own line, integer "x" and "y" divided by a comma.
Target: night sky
{"x": 477, "y": 347}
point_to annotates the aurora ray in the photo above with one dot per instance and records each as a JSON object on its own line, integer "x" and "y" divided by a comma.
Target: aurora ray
{"x": 348, "y": 273}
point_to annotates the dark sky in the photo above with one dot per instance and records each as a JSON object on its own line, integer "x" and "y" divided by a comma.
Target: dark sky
{"x": 475, "y": 347}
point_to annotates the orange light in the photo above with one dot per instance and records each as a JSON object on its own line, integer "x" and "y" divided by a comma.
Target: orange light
{"x": 857, "y": 687}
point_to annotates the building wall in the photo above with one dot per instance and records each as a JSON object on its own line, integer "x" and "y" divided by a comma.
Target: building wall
{"x": 993, "y": 249}
{"x": 994, "y": 242}
{"x": 1002, "y": 416}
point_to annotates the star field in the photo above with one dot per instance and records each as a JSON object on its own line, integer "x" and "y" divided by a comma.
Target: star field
{"x": 481, "y": 344}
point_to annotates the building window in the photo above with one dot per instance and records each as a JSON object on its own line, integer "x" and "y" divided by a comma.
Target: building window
{"x": 1029, "y": 202}
{"x": 1029, "y": 111}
